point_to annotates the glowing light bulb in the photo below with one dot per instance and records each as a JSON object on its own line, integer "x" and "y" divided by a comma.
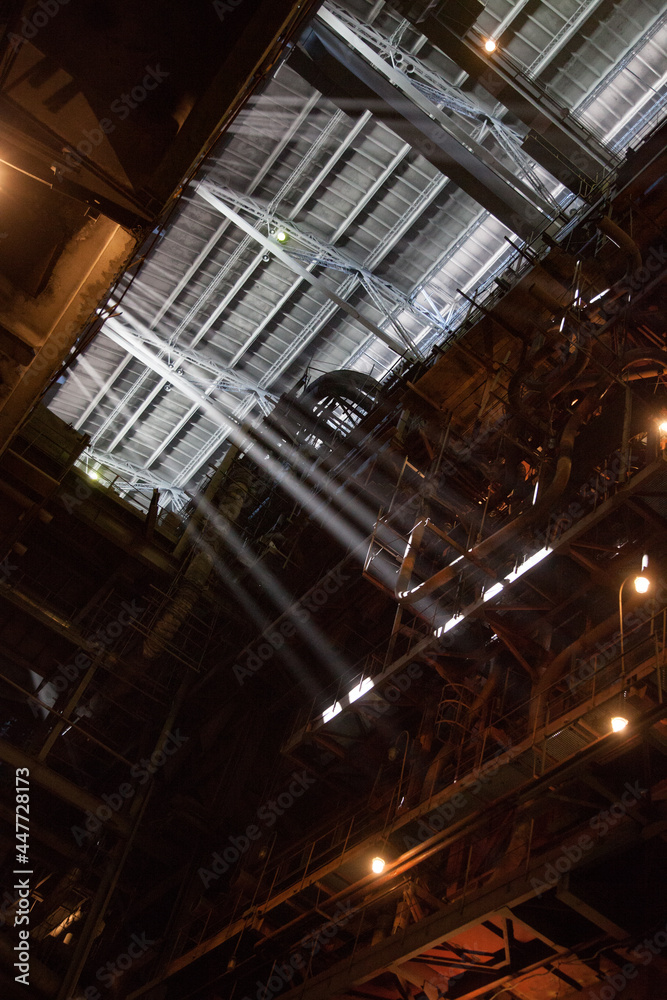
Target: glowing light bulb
{"x": 490, "y": 45}
{"x": 377, "y": 865}
{"x": 618, "y": 723}
{"x": 662, "y": 427}
{"x": 92, "y": 474}
{"x": 281, "y": 236}
{"x": 642, "y": 583}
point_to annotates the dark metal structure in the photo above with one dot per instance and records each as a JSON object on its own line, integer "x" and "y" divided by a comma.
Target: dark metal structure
{"x": 333, "y": 572}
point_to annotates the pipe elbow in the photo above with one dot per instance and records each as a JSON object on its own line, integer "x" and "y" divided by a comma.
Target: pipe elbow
{"x": 624, "y": 241}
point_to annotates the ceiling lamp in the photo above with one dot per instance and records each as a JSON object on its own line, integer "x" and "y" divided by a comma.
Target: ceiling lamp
{"x": 281, "y": 236}
{"x": 377, "y": 865}
{"x": 490, "y": 45}
{"x": 642, "y": 583}
{"x": 618, "y": 723}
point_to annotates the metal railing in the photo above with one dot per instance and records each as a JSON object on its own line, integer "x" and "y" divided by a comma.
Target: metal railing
{"x": 593, "y": 686}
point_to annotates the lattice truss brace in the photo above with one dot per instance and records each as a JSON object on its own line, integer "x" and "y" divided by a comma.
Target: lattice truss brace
{"x": 305, "y": 248}
{"x": 309, "y": 249}
{"x": 446, "y": 95}
{"x": 176, "y": 356}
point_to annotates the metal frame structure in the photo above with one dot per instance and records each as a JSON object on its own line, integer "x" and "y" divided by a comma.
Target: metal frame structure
{"x": 220, "y": 280}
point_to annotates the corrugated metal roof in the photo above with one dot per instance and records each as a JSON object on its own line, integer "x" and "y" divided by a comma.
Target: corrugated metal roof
{"x": 348, "y": 180}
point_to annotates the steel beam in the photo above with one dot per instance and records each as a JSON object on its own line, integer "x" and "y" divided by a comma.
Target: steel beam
{"x": 559, "y": 137}
{"x": 59, "y": 786}
{"x": 422, "y": 202}
{"x": 191, "y": 271}
{"x": 354, "y": 66}
{"x": 208, "y": 192}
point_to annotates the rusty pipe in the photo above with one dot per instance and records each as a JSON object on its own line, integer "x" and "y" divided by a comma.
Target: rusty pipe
{"x": 487, "y": 691}
{"x": 623, "y": 240}
{"x": 559, "y": 664}
{"x": 527, "y": 518}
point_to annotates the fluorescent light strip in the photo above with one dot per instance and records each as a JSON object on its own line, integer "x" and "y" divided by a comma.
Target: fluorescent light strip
{"x": 366, "y": 684}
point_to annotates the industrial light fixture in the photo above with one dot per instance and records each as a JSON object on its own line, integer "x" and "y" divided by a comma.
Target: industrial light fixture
{"x": 662, "y": 426}
{"x": 377, "y": 865}
{"x": 490, "y": 45}
{"x": 93, "y": 474}
{"x": 642, "y": 584}
{"x": 618, "y": 723}
{"x": 281, "y": 236}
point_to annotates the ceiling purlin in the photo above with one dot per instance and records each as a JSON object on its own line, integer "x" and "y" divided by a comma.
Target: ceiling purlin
{"x": 358, "y": 350}
{"x": 322, "y": 317}
{"x": 240, "y": 283}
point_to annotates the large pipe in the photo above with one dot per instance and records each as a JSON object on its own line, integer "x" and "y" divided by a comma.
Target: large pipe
{"x": 623, "y": 240}
{"x": 487, "y": 691}
{"x": 527, "y": 517}
{"x": 560, "y": 664}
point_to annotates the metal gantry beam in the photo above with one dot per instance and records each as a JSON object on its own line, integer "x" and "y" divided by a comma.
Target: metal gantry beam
{"x": 310, "y": 249}
{"x": 353, "y": 284}
{"x": 409, "y": 113}
{"x": 286, "y": 138}
{"x": 447, "y": 95}
{"x": 241, "y": 412}
{"x": 214, "y": 195}
{"x": 238, "y": 254}
{"x": 565, "y": 147}
{"x": 135, "y": 478}
{"x": 324, "y": 315}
